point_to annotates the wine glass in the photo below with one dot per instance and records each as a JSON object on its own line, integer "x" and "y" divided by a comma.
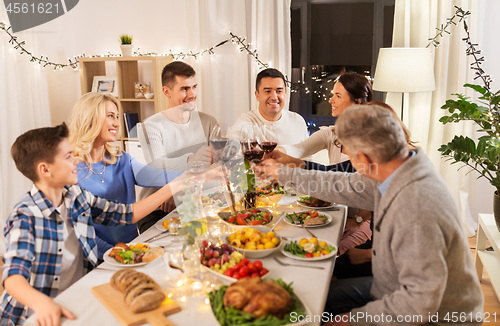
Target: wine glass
{"x": 270, "y": 139}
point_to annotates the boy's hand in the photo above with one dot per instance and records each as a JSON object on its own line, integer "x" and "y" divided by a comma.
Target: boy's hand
{"x": 48, "y": 313}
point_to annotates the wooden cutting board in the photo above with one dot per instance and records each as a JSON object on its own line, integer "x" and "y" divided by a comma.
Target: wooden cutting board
{"x": 113, "y": 300}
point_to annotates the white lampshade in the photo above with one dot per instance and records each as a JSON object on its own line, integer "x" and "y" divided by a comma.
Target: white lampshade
{"x": 404, "y": 70}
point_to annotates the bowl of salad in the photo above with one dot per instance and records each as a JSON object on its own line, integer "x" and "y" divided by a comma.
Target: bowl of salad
{"x": 248, "y": 217}
{"x": 269, "y": 194}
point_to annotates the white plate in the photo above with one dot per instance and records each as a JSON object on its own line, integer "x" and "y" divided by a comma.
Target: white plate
{"x": 307, "y": 311}
{"x": 112, "y": 261}
{"x": 225, "y": 277}
{"x": 328, "y": 221}
{"x": 288, "y": 254}
{"x": 312, "y": 207}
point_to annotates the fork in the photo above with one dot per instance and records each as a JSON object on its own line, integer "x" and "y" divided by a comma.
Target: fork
{"x": 297, "y": 222}
{"x": 287, "y": 264}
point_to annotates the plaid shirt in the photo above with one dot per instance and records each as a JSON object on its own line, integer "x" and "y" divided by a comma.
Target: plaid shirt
{"x": 34, "y": 239}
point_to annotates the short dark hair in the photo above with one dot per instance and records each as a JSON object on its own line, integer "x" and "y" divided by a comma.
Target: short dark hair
{"x": 35, "y": 146}
{"x": 175, "y": 68}
{"x": 358, "y": 86}
{"x": 269, "y": 72}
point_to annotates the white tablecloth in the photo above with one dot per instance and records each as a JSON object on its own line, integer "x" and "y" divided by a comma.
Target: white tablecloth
{"x": 310, "y": 284}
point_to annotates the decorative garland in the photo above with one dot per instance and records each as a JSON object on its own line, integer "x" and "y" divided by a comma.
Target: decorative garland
{"x": 246, "y": 47}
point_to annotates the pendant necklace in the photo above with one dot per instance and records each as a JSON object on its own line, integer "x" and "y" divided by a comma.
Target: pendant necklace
{"x": 103, "y": 172}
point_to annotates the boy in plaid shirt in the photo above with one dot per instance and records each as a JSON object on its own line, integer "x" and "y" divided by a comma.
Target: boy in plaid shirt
{"x": 49, "y": 235}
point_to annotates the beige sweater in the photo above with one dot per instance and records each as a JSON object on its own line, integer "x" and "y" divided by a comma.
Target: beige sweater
{"x": 421, "y": 259}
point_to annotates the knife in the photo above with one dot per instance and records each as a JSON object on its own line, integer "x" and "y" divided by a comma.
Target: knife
{"x": 158, "y": 236}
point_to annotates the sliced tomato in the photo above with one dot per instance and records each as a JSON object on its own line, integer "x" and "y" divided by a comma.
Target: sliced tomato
{"x": 232, "y": 219}
{"x": 266, "y": 217}
{"x": 119, "y": 258}
{"x": 313, "y": 213}
{"x": 243, "y": 216}
{"x": 256, "y": 222}
{"x": 309, "y": 255}
{"x": 255, "y": 211}
{"x": 240, "y": 221}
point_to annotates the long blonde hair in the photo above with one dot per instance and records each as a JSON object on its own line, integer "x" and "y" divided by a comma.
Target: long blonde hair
{"x": 86, "y": 124}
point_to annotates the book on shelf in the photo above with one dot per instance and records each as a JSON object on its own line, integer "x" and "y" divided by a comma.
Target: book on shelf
{"x": 131, "y": 119}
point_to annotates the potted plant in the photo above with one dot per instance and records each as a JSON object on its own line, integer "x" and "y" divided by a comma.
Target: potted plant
{"x": 126, "y": 45}
{"x": 482, "y": 156}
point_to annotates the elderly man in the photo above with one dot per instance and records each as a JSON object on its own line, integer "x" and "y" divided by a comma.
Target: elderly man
{"x": 422, "y": 267}
{"x": 270, "y": 91}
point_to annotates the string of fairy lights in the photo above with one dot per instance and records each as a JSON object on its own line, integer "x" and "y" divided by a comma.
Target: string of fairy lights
{"x": 246, "y": 47}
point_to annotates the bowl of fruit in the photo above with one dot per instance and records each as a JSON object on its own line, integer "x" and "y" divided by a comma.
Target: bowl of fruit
{"x": 229, "y": 264}
{"x": 254, "y": 242}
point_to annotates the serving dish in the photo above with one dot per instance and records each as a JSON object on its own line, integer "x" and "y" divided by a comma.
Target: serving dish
{"x": 227, "y": 214}
{"x": 259, "y": 253}
{"x": 302, "y": 204}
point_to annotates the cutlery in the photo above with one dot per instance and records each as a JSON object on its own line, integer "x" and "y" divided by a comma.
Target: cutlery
{"x": 287, "y": 264}
{"x": 279, "y": 220}
{"x": 158, "y": 236}
{"x": 297, "y": 222}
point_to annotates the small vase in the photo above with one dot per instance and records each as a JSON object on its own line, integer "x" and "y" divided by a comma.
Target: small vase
{"x": 126, "y": 50}
{"x": 496, "y": 209}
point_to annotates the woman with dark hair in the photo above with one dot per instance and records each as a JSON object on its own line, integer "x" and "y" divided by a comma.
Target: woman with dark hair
{"x": 351, "y": 88}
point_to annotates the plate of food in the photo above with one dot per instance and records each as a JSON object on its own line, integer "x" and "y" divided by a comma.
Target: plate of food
{"x": 217, "y": 199}
{"x": 308, "y": 249}
{"x": 271, "y": 303}
{"x": 311, "y": 202}
{"x": 132, "y": 254}
{"x": 310, "y": 219}
{"x": 247, "y": 217}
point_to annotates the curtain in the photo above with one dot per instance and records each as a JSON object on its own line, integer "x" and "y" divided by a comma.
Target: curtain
{"x": 452, "y": 71}
{"x": 227, "y": 80}
{"x": 23, "y": 106}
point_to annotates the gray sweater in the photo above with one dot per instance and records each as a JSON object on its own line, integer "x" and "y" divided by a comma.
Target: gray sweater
{"x": 421, "y": 259}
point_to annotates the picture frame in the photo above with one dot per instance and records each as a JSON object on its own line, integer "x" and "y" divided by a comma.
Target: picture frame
{"x": 105, "y": 84}
{"x": 140, "y": 89}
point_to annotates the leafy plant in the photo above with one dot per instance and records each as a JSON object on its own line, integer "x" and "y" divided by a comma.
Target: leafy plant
{"x": 483, "y": 156}
{"x": 126, "y": 39}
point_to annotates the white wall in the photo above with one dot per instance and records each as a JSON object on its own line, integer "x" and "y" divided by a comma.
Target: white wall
{"x": 225, "y": 79}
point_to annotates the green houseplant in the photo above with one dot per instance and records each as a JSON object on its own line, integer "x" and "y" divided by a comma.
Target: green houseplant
{"x": 126, "y": 44}
{"x": 482, "y": 156}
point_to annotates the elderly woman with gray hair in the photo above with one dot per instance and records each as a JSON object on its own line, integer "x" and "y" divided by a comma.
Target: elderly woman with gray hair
{"x": 421, "y": 259}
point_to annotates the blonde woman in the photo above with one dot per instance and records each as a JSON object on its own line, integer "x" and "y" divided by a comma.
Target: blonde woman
{"x": 104, "y": 169}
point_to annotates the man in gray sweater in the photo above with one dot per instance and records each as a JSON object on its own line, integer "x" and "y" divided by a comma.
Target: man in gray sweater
{"x": 422, "y": 266}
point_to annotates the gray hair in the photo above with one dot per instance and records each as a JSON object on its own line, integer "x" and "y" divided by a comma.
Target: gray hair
{"x": 373, "y": 131}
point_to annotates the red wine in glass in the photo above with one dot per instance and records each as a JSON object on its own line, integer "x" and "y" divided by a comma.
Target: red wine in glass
{"x": 268, "y": 146}
{"x": 254, "y": 155}
{"x": 219, "y": 143}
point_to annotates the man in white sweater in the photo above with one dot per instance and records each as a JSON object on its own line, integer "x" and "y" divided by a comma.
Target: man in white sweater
{"x": 178, "y": 135}
{"x": 270, "y": 91}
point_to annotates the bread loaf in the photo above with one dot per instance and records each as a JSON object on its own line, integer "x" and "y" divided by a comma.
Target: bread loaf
{"x": 141, "y": 293}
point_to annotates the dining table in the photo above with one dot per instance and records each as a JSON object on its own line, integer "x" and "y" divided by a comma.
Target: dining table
{"x": 310, "y": 284}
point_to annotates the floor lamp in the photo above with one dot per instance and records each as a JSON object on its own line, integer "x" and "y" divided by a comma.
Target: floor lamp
{"x": 404, "y": 70}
